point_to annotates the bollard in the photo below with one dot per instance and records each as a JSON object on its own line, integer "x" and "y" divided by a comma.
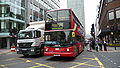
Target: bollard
{"x": 13, "y": 48}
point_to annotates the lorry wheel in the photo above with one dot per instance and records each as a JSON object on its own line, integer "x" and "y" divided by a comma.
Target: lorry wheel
{"x": 26, "y": 55}
{"x": 42, "y": 52}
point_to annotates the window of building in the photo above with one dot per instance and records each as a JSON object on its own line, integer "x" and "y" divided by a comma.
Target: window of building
{"x": 117, "y": 11}
{"x": 0, "y": 26}
{"x": 111, "y": 15}
{"x": 0, "y": 11}
{"x": 107, "y": 1}
{"x": 23, "y": 3}
{"x": 3, "y": 26}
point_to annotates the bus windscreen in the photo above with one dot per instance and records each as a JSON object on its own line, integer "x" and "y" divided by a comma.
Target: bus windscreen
{"x": 59, "y": 36}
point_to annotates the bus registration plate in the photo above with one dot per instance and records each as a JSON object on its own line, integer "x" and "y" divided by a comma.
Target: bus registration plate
{"x": 57, "y": 49}
{"x": 24, "y": 49}
{"x": 56, "y": 55}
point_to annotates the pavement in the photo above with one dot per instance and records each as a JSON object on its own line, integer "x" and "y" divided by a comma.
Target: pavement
{"x": 109, "y": 49}
{"x": 113, "y": 49}
{"x": 4, "y": 51}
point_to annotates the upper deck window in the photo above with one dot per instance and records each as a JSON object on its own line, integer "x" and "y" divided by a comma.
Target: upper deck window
{"x": 60, "y": 15}
{"x": 58, "y": 19}
{"x": 63, "y": 15}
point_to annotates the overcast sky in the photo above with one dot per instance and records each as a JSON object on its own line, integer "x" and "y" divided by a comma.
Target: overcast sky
{"x": 90, "y": 12}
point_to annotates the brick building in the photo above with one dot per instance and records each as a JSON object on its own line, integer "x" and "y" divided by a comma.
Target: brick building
{"x": 108, "y": 21}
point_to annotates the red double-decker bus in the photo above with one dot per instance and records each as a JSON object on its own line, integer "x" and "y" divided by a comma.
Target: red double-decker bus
{"x": 64, "y": 34}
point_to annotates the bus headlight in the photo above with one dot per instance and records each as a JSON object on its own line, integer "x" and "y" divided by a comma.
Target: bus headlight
{"x": 46, "y": 49}
{"x": 68, "y": 49}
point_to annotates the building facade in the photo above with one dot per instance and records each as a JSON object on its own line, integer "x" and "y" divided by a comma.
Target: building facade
{"x": 18, "y": 13}
{"x": 36, "y": 9}
{"x": 108, "y": 22}
{"x": 78, "y": 8}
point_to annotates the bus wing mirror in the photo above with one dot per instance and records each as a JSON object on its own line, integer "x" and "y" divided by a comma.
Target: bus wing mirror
{"x": 73, "y": 34}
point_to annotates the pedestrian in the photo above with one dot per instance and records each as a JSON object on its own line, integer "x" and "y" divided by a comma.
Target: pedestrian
{"x": 96, "y": 45}
{"x": 93, "y": 44}
{"x": 89, "y": 46}
{"x": 105, "y": 45}
{"x": 100, "y": 44}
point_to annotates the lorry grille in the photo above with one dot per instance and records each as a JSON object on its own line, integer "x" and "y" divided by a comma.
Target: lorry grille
{"x": 24, "y": 45}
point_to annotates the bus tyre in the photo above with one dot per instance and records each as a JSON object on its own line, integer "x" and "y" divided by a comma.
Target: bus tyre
{"x": 26, "y": 55}
{"x": 77, "y": 52}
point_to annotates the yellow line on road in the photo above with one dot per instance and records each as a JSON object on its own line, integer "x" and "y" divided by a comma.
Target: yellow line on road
{"x": 3, "y": 66}
{"x": 101, "y": 65}
{"x": 87, "y": 64}
{"x": 28, "y": 61}
{"x": 80, "y": 64}
{"x": 34, "y": 66}
{"x": 39, "y": 65}
{"x": 90, "y": 59}
{"x": 91, "y": 65}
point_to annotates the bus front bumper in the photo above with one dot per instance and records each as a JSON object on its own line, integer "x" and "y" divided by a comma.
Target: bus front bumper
{"x": 63, "y": 54}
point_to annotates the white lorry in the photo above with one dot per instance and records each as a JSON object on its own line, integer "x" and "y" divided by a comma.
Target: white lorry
{"x": 30, "y": 41}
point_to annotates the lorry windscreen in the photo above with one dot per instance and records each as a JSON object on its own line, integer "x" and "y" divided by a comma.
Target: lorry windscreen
{"x": 25, "y": 34}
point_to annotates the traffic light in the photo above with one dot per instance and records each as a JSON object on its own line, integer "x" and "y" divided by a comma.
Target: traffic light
{"x": 92, "y": 30}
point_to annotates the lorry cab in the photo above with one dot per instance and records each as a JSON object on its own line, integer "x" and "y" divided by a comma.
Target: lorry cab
{"x": 30, "y": 41}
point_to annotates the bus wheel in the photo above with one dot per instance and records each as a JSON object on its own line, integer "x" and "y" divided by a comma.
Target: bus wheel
{"x": 41, "y": 51}
{"x": 77, "y": 52}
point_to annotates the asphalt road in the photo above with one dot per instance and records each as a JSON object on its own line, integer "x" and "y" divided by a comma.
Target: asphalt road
{"x": 83, "y": 60}
{"x": 109, "y": 59}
